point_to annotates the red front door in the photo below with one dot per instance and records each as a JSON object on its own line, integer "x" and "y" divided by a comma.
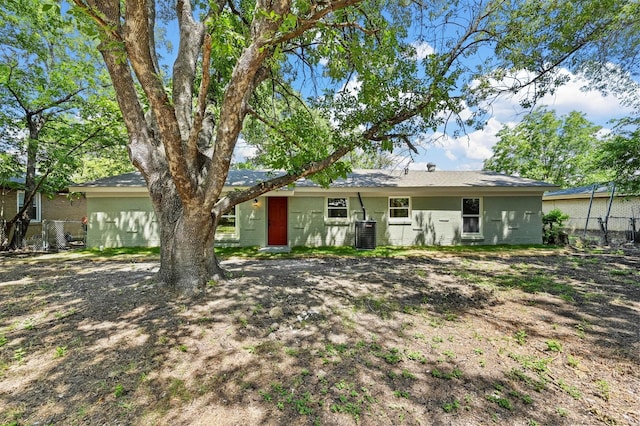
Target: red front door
{"x": 277, "y": 221}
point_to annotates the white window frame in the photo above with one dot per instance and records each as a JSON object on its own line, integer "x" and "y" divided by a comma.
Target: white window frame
{"x": 406, "y": 219}
{"x": 327, "y": 209}
{"x": 231, "y": 214}
{"x": 478, "y": 215}
{"x": 37, "y": 203}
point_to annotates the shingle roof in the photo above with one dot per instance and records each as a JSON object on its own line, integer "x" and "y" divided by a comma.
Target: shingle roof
{"x": 579, "y": 191}
{"x": 423, "y": 178}
{"x": 132, "y": 179}
{"x": 357, "y": 179}
{"x": 582, "y": 192}
{"x": 19, "y": 183}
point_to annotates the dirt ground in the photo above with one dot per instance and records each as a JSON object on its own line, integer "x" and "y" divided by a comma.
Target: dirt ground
{"x": 523, "y": 338}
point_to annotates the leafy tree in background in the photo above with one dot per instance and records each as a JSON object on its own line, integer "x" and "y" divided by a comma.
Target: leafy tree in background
{"x": 318, "y": 79}
{"x": 95, "y": 166}
{"x": 600, "y": 40}
{"x": 359, "y": 159}
{"x": 558, "y": 150}
{"x": 621, "y": 154}
{"x": 55, "y": 102}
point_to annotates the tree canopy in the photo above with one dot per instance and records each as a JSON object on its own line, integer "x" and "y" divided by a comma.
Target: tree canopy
{"x": 559, "y": 150}
{"x": 55, "y": 93}
{"x": 57, "y": 105}
{"x": 621, "y": 155}
{"x": 316, "y": 79}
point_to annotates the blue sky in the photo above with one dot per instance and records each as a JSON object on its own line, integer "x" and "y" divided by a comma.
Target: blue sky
{"x": 468, "y": 152}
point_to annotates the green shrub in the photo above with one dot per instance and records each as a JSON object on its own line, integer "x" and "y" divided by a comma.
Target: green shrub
{"x": 552, "y": 227}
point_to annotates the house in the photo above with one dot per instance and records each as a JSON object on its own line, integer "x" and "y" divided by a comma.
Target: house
{"x": 51, "y": 215}
{"x": 409, "y": 208}
{"x": 592, "y": 209}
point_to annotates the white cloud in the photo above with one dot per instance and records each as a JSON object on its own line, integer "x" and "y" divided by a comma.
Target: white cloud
{"x": 243, "y": 151}
{"x": 473, "y": 146}
{"x": 423, "y": 49}
{"x": 352, "y": 87}
{"x": 469, "y": 151}
{"x": 572, "y": 96}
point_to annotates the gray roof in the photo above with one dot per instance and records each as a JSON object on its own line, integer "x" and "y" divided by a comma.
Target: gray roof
{"x": 126, "y": 180}
{"x": 442, "y": 179}
{"x": 12, "y": 182}
{"x": 357, "y": 179}
{"x": 579, "y": 191}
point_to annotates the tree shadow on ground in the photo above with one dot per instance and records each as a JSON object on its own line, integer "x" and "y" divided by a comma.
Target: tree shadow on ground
{"x": 597, "y": 295}
{"x": 309, "y": 341}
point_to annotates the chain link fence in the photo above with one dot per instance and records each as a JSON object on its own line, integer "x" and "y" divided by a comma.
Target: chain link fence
{"x": 63, "y": 234}
{"x": 614, "y": 230}
{"x": 4, "y": 239}
{"x": 55, "y": 235}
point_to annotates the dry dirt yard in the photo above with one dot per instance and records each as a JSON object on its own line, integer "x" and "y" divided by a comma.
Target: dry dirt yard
{"x": 519, "y": 338}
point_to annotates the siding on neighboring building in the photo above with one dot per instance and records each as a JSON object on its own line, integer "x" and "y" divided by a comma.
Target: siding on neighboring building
{"x": 575, "y": 203}
{"x": 59, "y": 207}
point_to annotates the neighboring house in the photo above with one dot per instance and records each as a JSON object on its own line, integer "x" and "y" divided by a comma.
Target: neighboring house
{"x": 45, "y": 210}
{"x": 412, "y": 208}
{"x": 593, "y": 209}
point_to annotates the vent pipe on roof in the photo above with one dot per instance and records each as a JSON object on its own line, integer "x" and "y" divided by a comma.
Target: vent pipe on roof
{"x": 431, "y": 167}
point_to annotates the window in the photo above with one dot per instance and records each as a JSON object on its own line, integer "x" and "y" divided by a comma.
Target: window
{"x": 337, "y": 208}
{"x": 228, "y": 224}
{"x": 399, "y": 208}
{"x": 471, "y": 215}
{"x": 36, "y": 206}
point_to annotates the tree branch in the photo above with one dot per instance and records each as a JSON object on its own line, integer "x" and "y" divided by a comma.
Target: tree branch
{"x": 236, "y": 12}
{"x": 192, "y": 145}
{"x": 245, "y": 77}
{"x": 108, "y": 26}
{"x": 275, "y": 128}
{"x": 312, "y": 21}
{"x": 184, "y": 68}
{"x": 236, "y": 197}
{"x": 137, "y": 29}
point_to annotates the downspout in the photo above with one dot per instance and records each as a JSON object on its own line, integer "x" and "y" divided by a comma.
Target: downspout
{"x": 364, "y": 212}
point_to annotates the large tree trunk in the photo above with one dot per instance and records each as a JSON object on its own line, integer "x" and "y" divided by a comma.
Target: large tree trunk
{"x": 23, "y": 218}
{"x": 187, "y": 256}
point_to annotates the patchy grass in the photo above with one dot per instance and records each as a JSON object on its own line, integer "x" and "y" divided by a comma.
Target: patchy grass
{"x": 380, "y": 251}
{"x": 254, "y": 252}
{"x": 323, "y": 337}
